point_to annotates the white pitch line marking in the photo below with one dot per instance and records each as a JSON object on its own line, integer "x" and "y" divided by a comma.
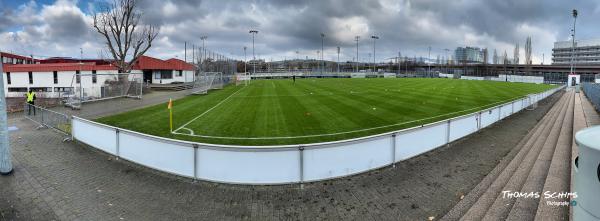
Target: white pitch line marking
{"x": 345, "y": 132}
{"x": 195, "y": 118}
{"x": 190, "y": 130}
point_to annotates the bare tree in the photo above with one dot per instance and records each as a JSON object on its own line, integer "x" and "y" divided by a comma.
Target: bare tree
{"x": 118, "y": 24}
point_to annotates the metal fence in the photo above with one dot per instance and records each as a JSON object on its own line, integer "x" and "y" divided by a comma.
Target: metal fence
{"x": 48, "y": 118}
{"x": 592, "y": 91}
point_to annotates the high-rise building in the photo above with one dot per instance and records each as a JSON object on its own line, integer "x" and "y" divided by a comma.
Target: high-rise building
{"x": 587, "y": 52}
{"x": 469, "y": 55}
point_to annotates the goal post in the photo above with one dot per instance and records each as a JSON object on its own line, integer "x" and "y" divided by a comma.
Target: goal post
{"x": 242, "y": 79}
{"x": 102, "y": 86}
{"x": 207, "y": 81}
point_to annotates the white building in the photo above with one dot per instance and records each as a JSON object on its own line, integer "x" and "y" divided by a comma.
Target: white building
{"x": 587, "y": 52}
{"x": 54, "y": 79}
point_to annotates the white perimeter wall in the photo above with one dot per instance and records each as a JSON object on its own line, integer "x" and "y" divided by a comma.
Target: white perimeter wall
{"x": 290, "y": 163}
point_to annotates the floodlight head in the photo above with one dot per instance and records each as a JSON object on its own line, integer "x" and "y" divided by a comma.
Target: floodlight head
{"x": 574, "y": 13}
{"x": 203, "y": 37}
{"x": 375, "y": 37}
{"x": 356, "y": 37}
{"x": 322, "y": 35}
{"x": 253, "y": 32}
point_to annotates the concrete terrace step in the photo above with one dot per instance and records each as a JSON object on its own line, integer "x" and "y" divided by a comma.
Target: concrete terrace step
{"x": 502, "y": 206}
{"x": 537, "y": 163}
{"x": 171, "y": 87}
{"x": 525, "y": 208}
{"x": 477, "y": 194}
{"x": 558, "y": 179}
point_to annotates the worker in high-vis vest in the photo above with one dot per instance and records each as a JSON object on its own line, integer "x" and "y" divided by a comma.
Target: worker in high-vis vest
{"x": 30, "y": 101}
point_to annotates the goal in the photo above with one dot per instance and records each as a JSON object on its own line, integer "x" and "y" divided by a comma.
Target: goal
{"x": 207, "y": 81}
{"x": 95, "y": 87}
{"x": 242, "y": 79}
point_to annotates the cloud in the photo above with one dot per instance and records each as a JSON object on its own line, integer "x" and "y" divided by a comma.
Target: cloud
{"x": 286, "y": 26}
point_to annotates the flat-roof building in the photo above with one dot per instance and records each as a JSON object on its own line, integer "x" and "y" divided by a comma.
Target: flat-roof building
{"x": 469, "y": 55}
{"x": 587, "y": 52}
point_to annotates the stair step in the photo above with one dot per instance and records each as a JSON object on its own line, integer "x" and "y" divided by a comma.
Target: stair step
{"x": 502, "y": 206}
{"x": 558, "y": 178}
{"x": 471, "y": 198}
{"x": 525, "y": 208}
{"x": 483, "y": 203}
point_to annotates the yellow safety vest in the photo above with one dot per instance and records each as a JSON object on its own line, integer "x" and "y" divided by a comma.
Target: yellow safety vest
{"x": 30, "y": 96}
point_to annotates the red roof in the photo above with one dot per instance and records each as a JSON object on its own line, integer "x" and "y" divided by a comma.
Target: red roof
{"x": 143, "y": 63}
{"x": 150, "y": 63}
{"x": 181, "y": 65}
{"x": 55, "y": 67}
{"x": 9, "y": 55}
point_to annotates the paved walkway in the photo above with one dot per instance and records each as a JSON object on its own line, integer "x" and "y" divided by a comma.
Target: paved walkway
{"x": 70, "y": 181}
{"x": 591, "y": 115}
{"x": 113, "y": 106}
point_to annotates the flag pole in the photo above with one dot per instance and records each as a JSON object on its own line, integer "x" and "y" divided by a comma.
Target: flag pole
{"x": 170, "y": 115}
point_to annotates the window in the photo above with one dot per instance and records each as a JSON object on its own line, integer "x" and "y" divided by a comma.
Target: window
{"x": 41, "y": 89}
{"x": 180, "y": 73}
{"x": 63, "y": 89}
{"x": 30, "y": 78}
{"x": 77, "y": 77}
{"x": 94, "y": 77}
{"x": 163, "y": 75}
{"x": 55, "y": 75}
{"x": 8, "y": 77}
{"x": 17, "y": 89}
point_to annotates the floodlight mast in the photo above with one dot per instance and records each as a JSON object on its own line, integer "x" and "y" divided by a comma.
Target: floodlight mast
{"x": 203, "y": 38}
{"x": 322, "y": 52}
{"x": 356, "y": 38}
{"x": 374, "y": 37}
{"x": 338, "y": 60}
{"x": 245, "y": 68}
{"x": 573, "y": 39}
{"x": 429, "y": 62}
{"x": 253, "y": 33}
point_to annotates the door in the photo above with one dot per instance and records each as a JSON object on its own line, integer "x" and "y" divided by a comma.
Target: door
{"x": 148, "y": 76}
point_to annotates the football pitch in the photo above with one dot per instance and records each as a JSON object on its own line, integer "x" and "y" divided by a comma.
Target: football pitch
{"x": 272, "y": 112}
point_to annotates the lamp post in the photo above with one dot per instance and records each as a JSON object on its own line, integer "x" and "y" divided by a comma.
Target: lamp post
{"x": 429, "y": 62}
{"x": 322, "y": 52}
{"x": 374, "y": 37}
{"x": 6, "y": 167}
{"x": 253, "y": 33}
{"x": 318, "y": 63}
{"x": 245, "y": 68}
{"x": 446, "y": 58}
{"x": 573, "y": 46}
{"x": 203, "y": 38}
{"x": 338, "y": 60}
{"x": 356, "y": 38}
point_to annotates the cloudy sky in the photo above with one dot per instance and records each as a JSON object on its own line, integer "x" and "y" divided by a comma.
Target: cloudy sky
{"x": 60, "y": 27}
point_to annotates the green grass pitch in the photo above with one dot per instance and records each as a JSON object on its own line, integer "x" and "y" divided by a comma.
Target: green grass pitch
{"x": 272, "y": 112}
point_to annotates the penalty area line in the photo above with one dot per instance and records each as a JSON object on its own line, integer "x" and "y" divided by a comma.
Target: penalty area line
{"x": 205, "y": 112}
{"x": 345, "y": 132}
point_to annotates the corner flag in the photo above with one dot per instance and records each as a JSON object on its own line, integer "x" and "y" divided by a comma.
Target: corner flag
{"x": 170, "y": 107}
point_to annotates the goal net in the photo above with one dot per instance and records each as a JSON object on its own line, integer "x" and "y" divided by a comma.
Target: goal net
{"x": 95, "y": 87}
{"x": 242, "y": 79}
{"x": 207, "y": 81}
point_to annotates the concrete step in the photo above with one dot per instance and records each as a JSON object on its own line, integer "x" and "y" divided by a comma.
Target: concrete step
{"x": 502, "y": 206}
{"x": 477, "y": 202}
{"x": 525, "y": 208}
{"x": 558, "y": 179}
{"x": 478, "y": 191}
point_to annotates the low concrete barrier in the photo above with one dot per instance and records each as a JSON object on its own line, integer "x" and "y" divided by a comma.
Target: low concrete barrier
{"x": 288, "y": 163}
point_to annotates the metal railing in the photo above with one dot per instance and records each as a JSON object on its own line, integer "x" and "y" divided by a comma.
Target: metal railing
{"x": 592, "y": 92}
{"x": 48, "y": 118}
